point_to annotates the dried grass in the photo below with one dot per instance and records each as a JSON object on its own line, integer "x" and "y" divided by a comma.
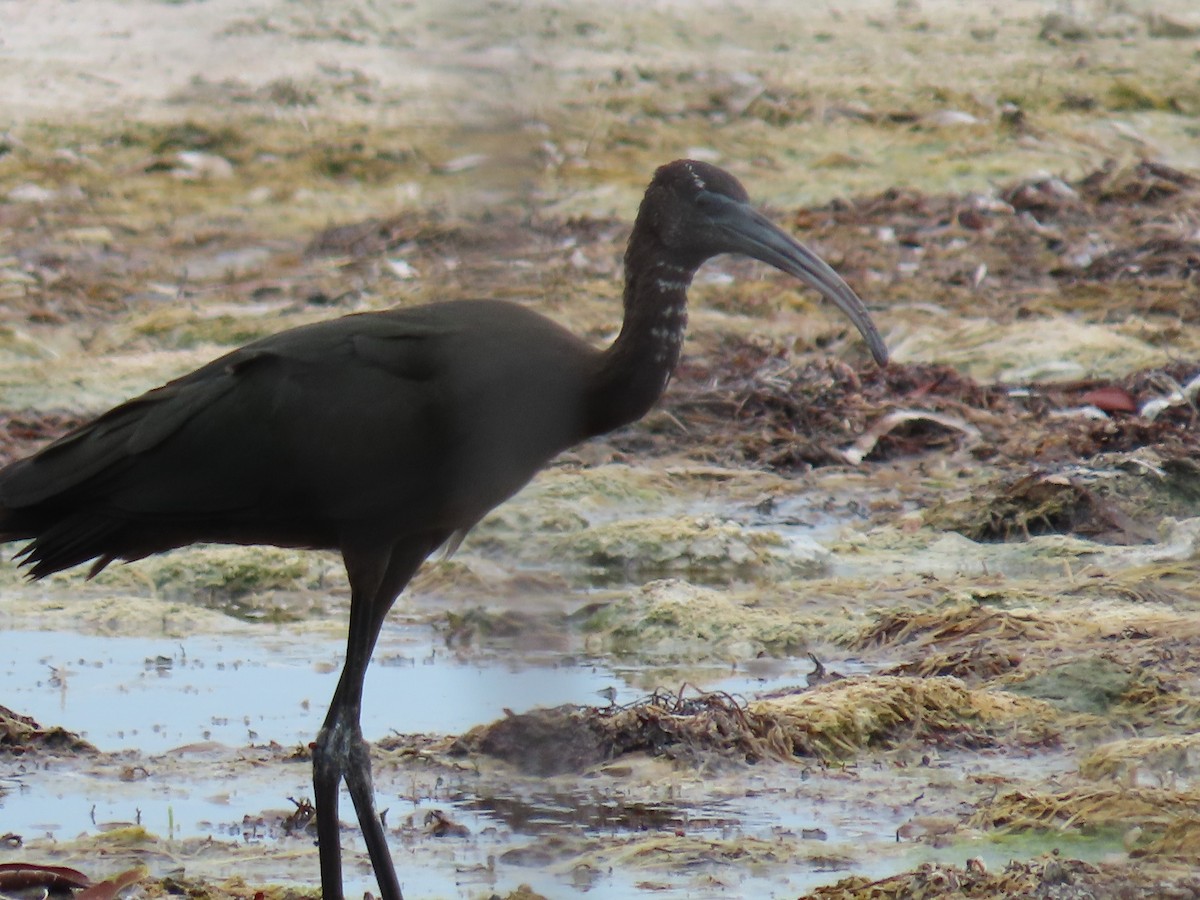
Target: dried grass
{"x": 959, "y": 622}
{"x": 844, "y": 718}
{"x": 1047, "y": 876}
{"x": 1168, "y": 756}
{"x": 1088, "y": 809}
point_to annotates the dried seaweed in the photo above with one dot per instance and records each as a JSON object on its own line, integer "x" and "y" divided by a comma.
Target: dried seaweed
{"x": 21, "y": 432}
{"x": 1088, "y": 808}
{"x": 20, "y": 734}
{"x": 974, "y": 665}
{"x": 961, "y": 622}
{"x": 1049, "y": 876}
{"x": 1033, "y": 231}
{"x": 755, "y": 405}
{"x": 1146, "y": 758}
{"x": 833, "y": 721}
{"x": 570, "y": 738}
{"x": 842, "y": 719}
{"x": 1021, "y": 506}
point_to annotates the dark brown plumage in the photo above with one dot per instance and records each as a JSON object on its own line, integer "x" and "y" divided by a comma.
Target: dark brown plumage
{"x": 383, "y": 436}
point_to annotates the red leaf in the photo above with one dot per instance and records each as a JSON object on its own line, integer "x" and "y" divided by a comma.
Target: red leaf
{"x": 19, "y": 876}
{"x": 1111, "y": 399}
{"x": 106, "y": 890}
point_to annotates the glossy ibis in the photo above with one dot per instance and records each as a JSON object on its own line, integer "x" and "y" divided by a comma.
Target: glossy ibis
{"x": 384, "y": 436}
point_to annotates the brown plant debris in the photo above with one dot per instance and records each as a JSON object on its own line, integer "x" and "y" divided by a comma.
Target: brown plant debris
{"x": 833, "y": 721}
{"x": 231, "y": 888}
{"x": 787, "y": 415}
{"x": 754, "y": 404}
{"x": 1048, "y": 876}
{"x": 1032, "y": 233}
{"x": 975, "y": 665}
{"x": 1180, "y": 840}
{"x": 1161, "y": 257}
{"x": 368, "y": 237}
{"x": 571, "y": 738}
{"x": 958, "y": 623}
{"x": 22, "y": 432}
{"x": 21, "y": 734}
{"x": 1145, "y": 758}
{"x": 1089, "y": 809}
{"x": 18, "y": 878}
{"x": 1027, "y": 504}
{"x": 1155, "y": 701}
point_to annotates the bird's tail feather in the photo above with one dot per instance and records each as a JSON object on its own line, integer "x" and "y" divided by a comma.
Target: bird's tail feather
{"x": 61, "y": 542}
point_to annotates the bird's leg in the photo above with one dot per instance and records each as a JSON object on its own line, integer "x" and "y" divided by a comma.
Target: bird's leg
{"x": 338, "y": 751}
{"x": 376, "y": 579}
{"x": 362, "y": 793}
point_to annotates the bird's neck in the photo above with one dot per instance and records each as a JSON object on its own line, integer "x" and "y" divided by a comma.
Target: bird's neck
{"x": 635, "y": 370}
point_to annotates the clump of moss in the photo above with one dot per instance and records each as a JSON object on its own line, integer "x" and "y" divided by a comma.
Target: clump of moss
{"x": 674, "y": 621}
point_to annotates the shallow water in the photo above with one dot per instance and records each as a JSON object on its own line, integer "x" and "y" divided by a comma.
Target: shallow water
{"x": 183, "y": 767}
{"x": 155, "y": 694}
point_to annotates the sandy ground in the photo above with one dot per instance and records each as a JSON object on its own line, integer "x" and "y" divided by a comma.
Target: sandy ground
{"x": 1007, "y": 579}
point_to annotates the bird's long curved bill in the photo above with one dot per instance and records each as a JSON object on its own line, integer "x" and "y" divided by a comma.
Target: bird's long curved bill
{"x": 753, "y": 234}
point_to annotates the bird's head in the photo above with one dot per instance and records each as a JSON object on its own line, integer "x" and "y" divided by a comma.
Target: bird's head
{"x": 695, "y": 211}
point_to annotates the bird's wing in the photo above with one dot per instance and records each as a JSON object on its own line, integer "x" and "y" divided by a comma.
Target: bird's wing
{"x": 228, "y": 422}
{"x": 124, "y": 431}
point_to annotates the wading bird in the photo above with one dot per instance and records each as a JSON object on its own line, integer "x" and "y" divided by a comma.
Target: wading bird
{"x": 384, "y": 436}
